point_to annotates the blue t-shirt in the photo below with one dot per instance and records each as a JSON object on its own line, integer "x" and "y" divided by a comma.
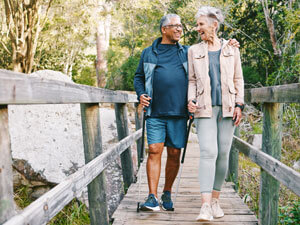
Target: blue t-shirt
{"x": 169, "y": 84}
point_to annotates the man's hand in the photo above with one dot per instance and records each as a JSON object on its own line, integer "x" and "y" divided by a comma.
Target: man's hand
{"x": 192, "y": 107}
{"x": 237, "y": 116}
{"x": 145, "y": 100}
{"x": 233, "y": 42}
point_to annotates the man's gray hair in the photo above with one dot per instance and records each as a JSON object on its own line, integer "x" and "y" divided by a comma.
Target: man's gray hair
{"x": 212, "y": 13}
{"x": 165, "y": 20}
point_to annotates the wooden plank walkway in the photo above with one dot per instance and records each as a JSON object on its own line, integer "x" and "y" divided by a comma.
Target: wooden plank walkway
{"x": 188, "y": 199}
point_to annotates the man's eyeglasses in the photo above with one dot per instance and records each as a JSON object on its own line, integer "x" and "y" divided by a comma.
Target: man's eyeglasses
{"x": 177, "y": 26}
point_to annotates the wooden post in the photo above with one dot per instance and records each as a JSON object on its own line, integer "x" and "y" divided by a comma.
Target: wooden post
{"x": 271, "y": 144}
{"x": 92, "y": 142}
{"x": 138, "y": 125}
{"x": 123, "y": 131}
{"x": 6, "y": 176}
{"x": 234, "y": 162}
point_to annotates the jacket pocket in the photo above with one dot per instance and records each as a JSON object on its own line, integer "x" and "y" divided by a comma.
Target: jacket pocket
{"x": 232, "y": 90}
{"x": 228, "y": 52}
{"x": 200, "y": 97}
{"x": 232, "y": 93}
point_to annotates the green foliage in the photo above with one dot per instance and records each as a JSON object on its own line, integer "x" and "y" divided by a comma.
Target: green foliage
{"x": 84, "y": 71}
{"x": 75, "y": 213}
{"x": 22, "y": 196}
{"x": 87, "y": 76}
{"x": 128, "y": 70}
{"x": 290, "y": 214}
{"x": 251, "y": 76}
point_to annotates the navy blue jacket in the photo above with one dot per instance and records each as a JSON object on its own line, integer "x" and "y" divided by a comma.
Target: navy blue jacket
{"x": 143, "y": 79}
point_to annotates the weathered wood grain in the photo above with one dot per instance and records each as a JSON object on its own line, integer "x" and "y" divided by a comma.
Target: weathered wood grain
{"x": 123, "y": 131}
{"x": 271, "y": 144}
{"x": 284, "y": 174}
{"x": 6, "y": 175}
{"x": 188, "y": 200}
{"x": 147, "y": 222}
{"x": 48, "y": 205}
{"x": 18, "y": 88}
{"x": 281, "y": 94}
{"x": 92, "y": 142}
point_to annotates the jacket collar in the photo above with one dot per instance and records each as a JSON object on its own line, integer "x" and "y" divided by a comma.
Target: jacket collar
{"x": 226, "y": 49}
{"x": 158, "y": 41}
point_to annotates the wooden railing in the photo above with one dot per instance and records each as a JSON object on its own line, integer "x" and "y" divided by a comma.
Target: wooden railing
{"x": 22, "y": 89}
{"x": 268, "y": 158}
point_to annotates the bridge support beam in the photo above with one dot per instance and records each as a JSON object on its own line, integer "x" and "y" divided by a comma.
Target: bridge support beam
{"x": 123, "y": 131}
{"x": 92, "y": 141}
{"x": 6, "y": 176}
{"x": 271, "y": 144}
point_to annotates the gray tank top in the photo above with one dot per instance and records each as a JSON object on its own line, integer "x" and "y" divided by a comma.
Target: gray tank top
{"x": 215, "y": 77}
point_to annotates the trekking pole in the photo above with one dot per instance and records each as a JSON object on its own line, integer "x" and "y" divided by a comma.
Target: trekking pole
{"x": 141, "y": 158}
{"x": 191, "y": 119}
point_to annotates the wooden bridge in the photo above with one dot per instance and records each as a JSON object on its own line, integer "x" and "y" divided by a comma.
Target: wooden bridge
{"x": 18, "y": 88}
{"x": 188, "y": 200}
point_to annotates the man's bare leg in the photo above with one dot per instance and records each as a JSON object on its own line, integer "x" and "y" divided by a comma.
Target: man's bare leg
{"x": 154, "y": 166}
{"x": 172, "y": 167}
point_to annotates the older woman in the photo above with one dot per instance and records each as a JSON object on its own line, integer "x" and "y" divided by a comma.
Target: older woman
{"x": 216, "y": 83}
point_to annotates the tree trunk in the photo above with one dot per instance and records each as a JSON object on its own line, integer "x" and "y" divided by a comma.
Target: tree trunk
{"x": 271, "y": 28}
{"x": 102, "y": 43}
{"x": 24, "y": 23}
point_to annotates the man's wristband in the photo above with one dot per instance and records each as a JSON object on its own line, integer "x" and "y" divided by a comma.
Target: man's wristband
{"x": 240, "y": 106}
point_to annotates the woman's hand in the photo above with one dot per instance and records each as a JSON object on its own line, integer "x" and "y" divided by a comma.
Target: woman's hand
{"x": 192, "y": 107}
{"x": 237, "y": 116}
{"x": 145, "y": 100}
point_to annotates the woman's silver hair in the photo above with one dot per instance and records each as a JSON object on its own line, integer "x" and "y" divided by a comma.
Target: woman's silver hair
{"x": 165, "y": 20}
{"x": 212, "y": 13}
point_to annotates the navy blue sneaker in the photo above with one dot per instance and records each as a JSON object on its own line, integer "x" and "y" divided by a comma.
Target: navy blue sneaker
{"x": 151, "y": 204}
{"x": 166, "y": 201}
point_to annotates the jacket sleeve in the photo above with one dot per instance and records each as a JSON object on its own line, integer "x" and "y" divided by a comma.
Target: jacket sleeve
{"x": 139, "y": 77}
{"x": 238, "y": 77}
{"x": 192, "y": 77}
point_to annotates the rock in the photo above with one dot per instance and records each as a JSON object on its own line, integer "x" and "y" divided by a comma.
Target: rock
{"x": 52, "y": 75}
{"x": 255, "y": 140}
{"x": 47, "y": 144}
{"x": 296, "y": 165}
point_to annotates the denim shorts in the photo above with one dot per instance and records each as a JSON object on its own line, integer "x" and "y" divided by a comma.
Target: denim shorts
{"x": 171, "y": 131}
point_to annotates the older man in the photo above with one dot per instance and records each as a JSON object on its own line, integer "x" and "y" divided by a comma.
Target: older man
{"x": 160, "y": 82}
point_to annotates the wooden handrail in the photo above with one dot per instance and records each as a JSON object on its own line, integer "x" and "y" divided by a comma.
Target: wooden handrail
{"x": 272, "y": 170}
{"x": 281, "y": 172}
{"x": 17, "y": 88}
{"x": 47, "y": 206}
{"x": 281, "y": 94}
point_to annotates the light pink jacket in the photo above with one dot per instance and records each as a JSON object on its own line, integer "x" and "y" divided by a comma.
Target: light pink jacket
{"x": 232, "y": 82}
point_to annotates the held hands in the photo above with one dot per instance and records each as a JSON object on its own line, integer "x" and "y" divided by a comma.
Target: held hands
{"x": 234, "y": 43}
{"x": 145, "y": 100}
{"x": 192, "y": 106}
{"x": 237, "y": 116}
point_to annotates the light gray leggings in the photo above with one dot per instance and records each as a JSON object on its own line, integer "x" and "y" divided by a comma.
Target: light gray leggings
{"x": 215, "y": 138}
